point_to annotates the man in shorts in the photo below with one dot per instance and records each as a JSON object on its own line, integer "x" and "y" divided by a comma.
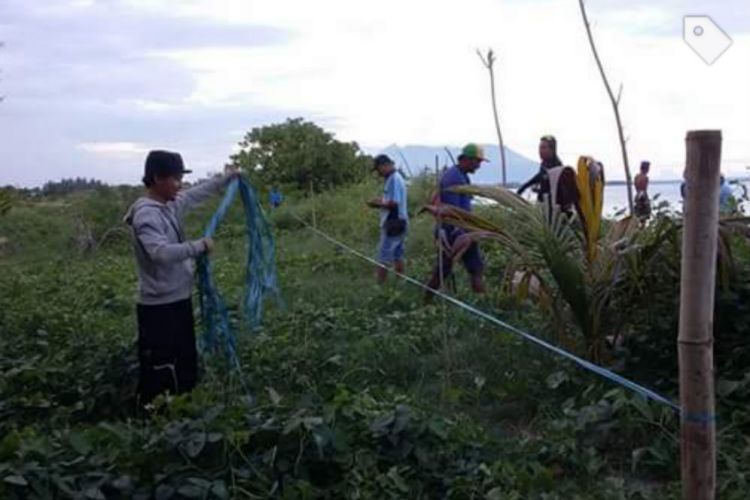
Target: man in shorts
{"x": 394, "y": 218}
{"x": 469, "y": 161}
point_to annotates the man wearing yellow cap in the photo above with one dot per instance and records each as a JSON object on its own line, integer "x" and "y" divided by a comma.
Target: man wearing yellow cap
{"x": 469, "y": 161}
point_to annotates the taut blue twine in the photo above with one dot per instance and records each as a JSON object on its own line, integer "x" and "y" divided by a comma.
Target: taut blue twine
{"x": 602, "y": 372}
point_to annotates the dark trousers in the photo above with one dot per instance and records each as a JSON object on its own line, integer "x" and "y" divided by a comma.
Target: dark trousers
{"x": 472, "y": 258}
{"x": 166, "y": 349}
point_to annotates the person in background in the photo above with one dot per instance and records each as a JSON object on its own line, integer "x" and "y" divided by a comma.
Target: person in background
{"x": 275, "y": 197}
{"x": 469, "y": 161}
{"x": 683, "y": 185}
{"x": 726, "y": 197}
{"x": 642, "y": 202}
{"x": 164, "y": 258}
{"x": 394, "y": 217}
{"x": 548, "y": 155}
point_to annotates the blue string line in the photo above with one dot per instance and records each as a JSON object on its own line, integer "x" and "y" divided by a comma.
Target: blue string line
{"x": 603, "y": 372}
{"x": 699, "y": 418}
{"x": 260, "y": 276}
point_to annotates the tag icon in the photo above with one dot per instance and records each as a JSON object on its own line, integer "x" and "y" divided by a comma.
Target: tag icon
{"x": 705, "y": 37}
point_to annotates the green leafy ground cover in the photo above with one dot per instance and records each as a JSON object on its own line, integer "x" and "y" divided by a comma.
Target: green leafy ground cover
{"x": 358, "y": 391}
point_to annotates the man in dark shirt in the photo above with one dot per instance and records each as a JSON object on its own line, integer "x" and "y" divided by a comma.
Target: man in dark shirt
{"x": 550, "y": 160}
{"x": 469, "y": 161}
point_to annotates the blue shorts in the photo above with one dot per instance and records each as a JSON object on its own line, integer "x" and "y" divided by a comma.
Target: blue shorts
{"x": 391, "y": 248}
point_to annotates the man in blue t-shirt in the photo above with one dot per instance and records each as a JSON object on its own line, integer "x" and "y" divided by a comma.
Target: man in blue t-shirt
{"x": 726, "y": 197}
{"x": 394, "y": 218}
{"x": 469, "y": 161}
{"x": 275, "y": 198}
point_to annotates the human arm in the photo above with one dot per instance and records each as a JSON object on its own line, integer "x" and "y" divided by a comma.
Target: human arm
{"x": 393, "y": 195}
{"x": 381, "y": 203}
{"x": 190, "y": 198}
{"x": 534, "y": 180}
{"x": 157, "y": 246}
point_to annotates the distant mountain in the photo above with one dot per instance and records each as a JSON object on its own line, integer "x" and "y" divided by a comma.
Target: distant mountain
{"x": 518, "y": 167}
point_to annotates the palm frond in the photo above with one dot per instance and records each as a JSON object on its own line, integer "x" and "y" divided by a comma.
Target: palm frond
{"x": 504, "y": 197}
{"x": 455, "y": 216}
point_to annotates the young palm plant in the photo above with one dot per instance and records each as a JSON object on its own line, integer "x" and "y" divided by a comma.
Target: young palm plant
{"x": 584, "y": 273}
{"x": 566, "y": 264}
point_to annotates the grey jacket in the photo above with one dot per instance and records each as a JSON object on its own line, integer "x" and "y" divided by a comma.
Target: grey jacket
{"x": 163, "y": 256}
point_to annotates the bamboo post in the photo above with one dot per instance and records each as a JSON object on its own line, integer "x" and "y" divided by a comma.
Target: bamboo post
{"x": 312, "y": 204}
{"x": 695, "y": 341}
{"x": 439, "y": 221}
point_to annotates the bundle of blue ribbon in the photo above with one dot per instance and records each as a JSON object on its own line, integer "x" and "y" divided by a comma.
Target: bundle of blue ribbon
{"x": 260, "y": 274}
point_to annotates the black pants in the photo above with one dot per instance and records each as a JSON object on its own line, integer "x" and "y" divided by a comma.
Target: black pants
{"x": 472, "y": 258}
{"x": 166, "y": 349}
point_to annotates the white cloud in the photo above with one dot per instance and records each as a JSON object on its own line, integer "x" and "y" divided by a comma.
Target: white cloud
{"x": 114, "y": 149}
{"x": 153, "y": 105}
{"x": 379, "y": 73}
{"x": 407, "y": 72}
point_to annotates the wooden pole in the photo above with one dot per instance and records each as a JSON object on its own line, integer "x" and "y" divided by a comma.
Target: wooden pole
{"x": 312, "y": 203}
{"x": 439, "y": 221}
{"x": 695, "y": 341}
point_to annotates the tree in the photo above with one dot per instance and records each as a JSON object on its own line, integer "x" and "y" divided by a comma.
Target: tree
{"x": 300, "y": 153}
{"x": 615, "y": 106}
{"x": 489, "y": 63}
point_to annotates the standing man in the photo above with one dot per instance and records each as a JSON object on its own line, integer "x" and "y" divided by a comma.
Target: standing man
{"x": 642, "y": 202}
{"x": 550, "y": 160}
{"x": 469, "y": 161}
{"x": 166, "y": 335}
{"x": 394, "y": 217}
{"x": 275, "y": 198}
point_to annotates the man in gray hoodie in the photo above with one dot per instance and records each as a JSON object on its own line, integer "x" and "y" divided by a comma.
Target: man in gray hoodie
{"x": 166, "y": 335}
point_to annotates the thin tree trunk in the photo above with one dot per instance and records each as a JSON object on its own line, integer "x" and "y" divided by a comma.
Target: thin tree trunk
{"x": 489, "y": 63}
{"x": 697, "y": 290}
{"x": 615, "y": 106}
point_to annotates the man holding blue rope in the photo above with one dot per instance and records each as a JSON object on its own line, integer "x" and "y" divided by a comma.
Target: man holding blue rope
{"x": 166, "y": 335}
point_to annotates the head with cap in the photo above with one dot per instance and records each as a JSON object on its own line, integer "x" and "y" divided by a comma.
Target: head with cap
{"x": 548, "y": 151}
{"x": 471, "y": 158}
{"x": 384, "y": 165}
{"x": 163, "y": 173}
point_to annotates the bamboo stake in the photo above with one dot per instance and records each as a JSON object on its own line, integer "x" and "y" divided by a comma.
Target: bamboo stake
{"x": 615, "y": 106}
{"x": 406, "y": 162}
{"x": 450, "y": 156}
{"x": 439, "y": 221}
{"x": 695, "y": 341}
{"x": 312, "y": 203}
{"x": 489, "y": 63}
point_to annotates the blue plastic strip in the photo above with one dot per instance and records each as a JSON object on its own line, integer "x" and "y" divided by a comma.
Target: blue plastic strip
{"x": 260, "y": 274}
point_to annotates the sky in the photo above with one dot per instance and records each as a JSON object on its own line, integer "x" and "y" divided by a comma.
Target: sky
{"x": 90, "y": 86}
